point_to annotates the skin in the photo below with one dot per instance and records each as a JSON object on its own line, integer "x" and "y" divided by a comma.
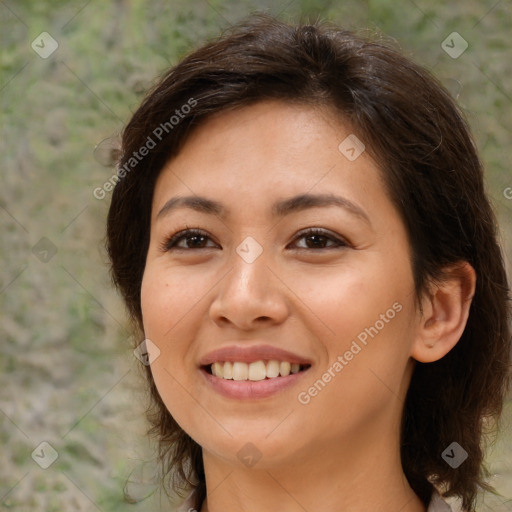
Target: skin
{"x": 341, "y": 450}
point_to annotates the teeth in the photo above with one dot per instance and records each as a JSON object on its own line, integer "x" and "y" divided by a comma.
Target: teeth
{"x": 240, "y": 371}
{"x": 228, "y": 370}
{"x": 218, "y": 369}
{"x": 258, "y": 370}
{"x": 272, "y": 369}
{"x": 284, "y": 369}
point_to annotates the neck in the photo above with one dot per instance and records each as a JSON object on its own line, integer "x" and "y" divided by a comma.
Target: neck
{"x": 362, "y": 475}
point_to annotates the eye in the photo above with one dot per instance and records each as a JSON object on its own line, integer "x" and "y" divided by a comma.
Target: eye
{"x": 188, "y": 239}
{"x": 317, "y": 238}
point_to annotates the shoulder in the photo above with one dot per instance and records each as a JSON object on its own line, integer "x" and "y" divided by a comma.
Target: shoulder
{"x": 438, "y": 504}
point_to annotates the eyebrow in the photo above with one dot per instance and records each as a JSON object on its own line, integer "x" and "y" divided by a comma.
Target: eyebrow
{"x": 279, "y": 209}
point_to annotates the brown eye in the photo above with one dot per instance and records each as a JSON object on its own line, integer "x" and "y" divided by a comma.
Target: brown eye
{"x": 189, "y": 239}
{"x": 318, "y": 239}
{"x": 193, "y": 241}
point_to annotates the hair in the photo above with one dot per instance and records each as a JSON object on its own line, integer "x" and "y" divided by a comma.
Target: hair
{"x": 429, "y": 163}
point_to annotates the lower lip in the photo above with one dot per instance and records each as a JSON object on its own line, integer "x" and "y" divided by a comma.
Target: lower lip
{"x": 248, "y": 389}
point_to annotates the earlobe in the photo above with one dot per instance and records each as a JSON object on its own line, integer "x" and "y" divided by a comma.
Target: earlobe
{"x": 445, "y": 313}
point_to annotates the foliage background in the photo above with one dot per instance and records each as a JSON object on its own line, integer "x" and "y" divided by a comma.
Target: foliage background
{"x": 68, "y": 374}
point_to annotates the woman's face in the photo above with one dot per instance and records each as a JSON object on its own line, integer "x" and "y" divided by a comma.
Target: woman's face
{"x": 299, "y": 257}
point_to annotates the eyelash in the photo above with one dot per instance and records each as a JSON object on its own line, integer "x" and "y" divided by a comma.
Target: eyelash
{"x": 171, "y": 242}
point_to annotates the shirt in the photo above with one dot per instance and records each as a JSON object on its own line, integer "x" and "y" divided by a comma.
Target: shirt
{"x": 437, "y": 504}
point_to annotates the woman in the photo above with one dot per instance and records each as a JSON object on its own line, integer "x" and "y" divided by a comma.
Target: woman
{"x": 301, "y": 234}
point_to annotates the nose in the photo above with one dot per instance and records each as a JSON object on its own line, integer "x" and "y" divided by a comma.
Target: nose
{"x": 249, "y": 297}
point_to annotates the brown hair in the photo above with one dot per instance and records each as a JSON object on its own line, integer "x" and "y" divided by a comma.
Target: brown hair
{"x": 411, "y": 126}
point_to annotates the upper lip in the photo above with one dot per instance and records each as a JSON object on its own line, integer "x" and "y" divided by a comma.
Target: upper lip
{"x": 250, "y": 354}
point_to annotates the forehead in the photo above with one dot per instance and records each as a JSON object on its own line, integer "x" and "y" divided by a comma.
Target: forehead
{"x": 259, "y": 153}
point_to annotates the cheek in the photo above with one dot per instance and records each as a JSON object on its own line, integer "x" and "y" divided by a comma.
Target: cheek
{"x": 361, "y": 314}
{"x": 164, "y": 308}
{"x": 346, "y": 299}
{"x": 172, "y": 302}
{"x": 154, "y": 305}
{"x": 364, "y": 381}
{"x": 164, "y": 304}
{"x": 167, "y": 297}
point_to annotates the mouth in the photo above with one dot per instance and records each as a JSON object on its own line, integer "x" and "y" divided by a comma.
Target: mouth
{"x": 253, "y": 371}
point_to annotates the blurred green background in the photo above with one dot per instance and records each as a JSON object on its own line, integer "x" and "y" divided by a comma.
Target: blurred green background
{"x": 67, "y": 370}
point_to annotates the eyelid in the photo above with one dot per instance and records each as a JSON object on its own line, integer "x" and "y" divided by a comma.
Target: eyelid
{"x": 171, "y": 241}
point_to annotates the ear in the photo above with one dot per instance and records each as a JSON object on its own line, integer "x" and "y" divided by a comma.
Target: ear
{"x": 445, "y": 313}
